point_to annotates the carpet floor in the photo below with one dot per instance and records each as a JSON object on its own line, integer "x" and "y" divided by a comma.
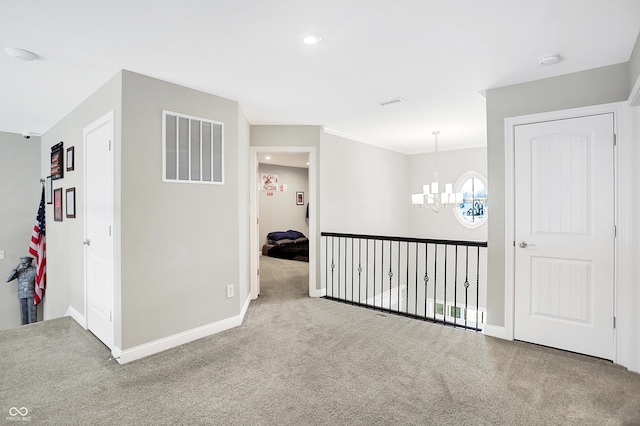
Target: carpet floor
{"x": 302, "y": 361}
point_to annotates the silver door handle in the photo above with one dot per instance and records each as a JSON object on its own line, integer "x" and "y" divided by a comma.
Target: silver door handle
{"x": 87, "y": 242}
{"x": 524, "y": 244}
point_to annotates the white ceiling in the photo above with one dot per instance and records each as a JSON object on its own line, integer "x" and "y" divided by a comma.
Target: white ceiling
{"x": 438, "y": 55}
{"x": 300, "y": 160}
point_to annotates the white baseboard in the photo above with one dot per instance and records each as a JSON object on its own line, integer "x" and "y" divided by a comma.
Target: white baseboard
{"x": 141, "y": 351}
{"x": 77, "y": 316}
{"x": 318, "y": 293}
{"x": 243, "y": 311}
{"x": 496, "y": 331}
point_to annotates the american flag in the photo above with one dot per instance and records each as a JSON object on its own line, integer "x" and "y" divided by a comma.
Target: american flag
{"x": 38, "y": 248}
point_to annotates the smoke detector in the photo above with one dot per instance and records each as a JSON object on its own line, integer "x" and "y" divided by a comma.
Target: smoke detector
{"x": 20, "y": 54}
{"x": 549, "y": 59}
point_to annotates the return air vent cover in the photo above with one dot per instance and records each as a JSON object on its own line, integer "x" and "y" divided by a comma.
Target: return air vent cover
{"x": 392, "y": 101}
{"x": 192, "y": 149}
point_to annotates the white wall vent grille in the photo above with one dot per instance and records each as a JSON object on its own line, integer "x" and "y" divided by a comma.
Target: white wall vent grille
{"x": 192, "y": 149}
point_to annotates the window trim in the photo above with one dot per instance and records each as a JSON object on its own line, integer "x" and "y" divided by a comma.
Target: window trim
{"x": 471, "y": 174}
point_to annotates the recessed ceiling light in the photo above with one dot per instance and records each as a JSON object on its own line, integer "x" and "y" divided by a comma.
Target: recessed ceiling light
{"x": 549, "y": 59}
{"x": 20, "y": 54}
{"x": 312, "y": 38}
{"x": 267, "y": 158}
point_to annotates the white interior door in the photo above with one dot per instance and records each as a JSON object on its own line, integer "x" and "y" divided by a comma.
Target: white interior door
{"x": 99, "y": 246}
{"x": 564, "y": 234}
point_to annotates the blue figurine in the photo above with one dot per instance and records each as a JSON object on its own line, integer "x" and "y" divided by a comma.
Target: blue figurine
{"x": 25, "y": 272}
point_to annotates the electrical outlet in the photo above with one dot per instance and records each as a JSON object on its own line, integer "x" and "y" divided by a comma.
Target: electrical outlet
{"x": 229, "y": 291}
{"x": 1, "y": 254}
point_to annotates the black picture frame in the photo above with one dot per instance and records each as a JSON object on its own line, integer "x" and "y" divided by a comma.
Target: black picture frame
{"x": 57, "y": 161}
{"x": 71, "y": 202}
{"x": 299, "y": 198}
{"x": 57, "y": 205}
{"x": 48, "y": 190}
{"x": 70, "y": 158}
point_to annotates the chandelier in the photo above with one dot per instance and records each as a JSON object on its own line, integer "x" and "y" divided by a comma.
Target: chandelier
{"x": 431, "y": 197}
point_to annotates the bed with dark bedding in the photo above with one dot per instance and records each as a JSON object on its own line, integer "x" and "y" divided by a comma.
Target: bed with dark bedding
{"x": 289, "y": 244}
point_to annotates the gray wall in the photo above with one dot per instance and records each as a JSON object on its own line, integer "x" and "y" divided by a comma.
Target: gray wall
{"x": 177, "y": 245}
{"x": 20, "y": 191}
{"x": 634, "y": 63}
{"x": 424, "y": 223}
{"x": 285, "y": 135}
{"x": 65, "y": 252}
{"x": 180, "y": 242}
{"x": 364, "y": 188}
{"x": 280, "y": 212}
{"x": 591, "y": 87}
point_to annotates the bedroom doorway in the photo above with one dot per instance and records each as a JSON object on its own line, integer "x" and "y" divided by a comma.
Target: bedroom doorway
{"x": 283, "y": 199}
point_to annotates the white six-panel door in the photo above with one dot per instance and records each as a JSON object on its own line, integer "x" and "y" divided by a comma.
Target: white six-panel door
{"x": 564, "y": 234}
{"x": 99, "y": 245}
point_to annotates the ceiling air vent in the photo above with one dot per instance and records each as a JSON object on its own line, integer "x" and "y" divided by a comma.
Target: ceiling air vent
{"x": 392, "y": 101}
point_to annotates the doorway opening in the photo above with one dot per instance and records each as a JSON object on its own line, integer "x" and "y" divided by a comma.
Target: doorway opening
{"x": 283, "y": 206}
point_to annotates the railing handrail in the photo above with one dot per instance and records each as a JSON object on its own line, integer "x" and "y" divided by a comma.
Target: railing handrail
{"x": 407, "y": 239}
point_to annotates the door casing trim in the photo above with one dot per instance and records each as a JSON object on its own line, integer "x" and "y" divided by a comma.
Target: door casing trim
{"x": 254, "y": 259}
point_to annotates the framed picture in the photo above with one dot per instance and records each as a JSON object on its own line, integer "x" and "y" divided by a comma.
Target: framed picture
{"x": 299, "y": 198}
{"x": 57, "y": 161}
{"x": 57, "y": 205}
{"x": 269, "y": 182}
{"x": 70, "y": 159}
{"x": 71, "y": 203}
{"x": 48, "y": 193}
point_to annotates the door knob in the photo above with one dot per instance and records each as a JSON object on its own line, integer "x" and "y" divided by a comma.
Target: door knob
{"x": 524, "y": 244}
{"x": 87, "y": 242}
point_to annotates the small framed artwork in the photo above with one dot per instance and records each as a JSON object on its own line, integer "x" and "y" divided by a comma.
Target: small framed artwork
{"x": 57, "y": 161}
{"x": 57, "y": 205}
{"x": 48, "y": 193}
{"x": 71, "y": 203}
{"x": 70, "y": 159}
{"x": 299, "y": 198}
{"x": 269, "y": 182}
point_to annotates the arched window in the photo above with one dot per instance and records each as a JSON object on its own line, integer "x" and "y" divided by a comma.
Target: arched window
{"x": 473, "y": 210}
